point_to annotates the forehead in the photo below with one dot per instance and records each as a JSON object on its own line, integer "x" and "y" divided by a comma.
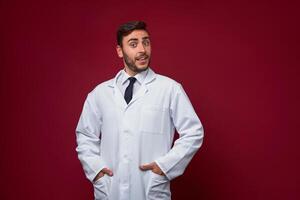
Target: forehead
{"x": 136, "y": 34}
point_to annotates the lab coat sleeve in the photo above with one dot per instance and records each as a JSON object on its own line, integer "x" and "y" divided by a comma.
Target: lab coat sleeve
{"x": 191, "y": 134}
{"x": 87, "y": 137}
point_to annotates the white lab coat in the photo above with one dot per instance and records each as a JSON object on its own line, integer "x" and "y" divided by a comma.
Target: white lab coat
{"x": 112, "y": 134}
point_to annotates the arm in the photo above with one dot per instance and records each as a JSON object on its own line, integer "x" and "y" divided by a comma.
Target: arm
{"x": 190, "y": 138}
{"x": 87, "y": 137}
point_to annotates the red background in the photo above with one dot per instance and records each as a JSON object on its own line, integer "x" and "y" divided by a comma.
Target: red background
{"x": 237, "y": 60}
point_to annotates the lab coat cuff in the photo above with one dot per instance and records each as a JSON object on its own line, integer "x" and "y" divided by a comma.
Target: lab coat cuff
{"x": 96, "y": 168}
{"x": 97, "y": 172}
{"x": 162, "y": 169}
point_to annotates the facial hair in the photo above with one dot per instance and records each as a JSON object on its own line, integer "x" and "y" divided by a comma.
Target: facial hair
{"x": 131, "y": 64}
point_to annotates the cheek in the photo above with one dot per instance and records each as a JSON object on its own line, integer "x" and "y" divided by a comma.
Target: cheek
{"x": 130, "y": 53}
{"x": 149, "y": 50}
{"x": 130, "y": 57}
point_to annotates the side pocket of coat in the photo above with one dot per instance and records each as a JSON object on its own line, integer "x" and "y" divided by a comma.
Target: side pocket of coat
{"x": 102, "y": 187}
{"x": 159, "y": 188}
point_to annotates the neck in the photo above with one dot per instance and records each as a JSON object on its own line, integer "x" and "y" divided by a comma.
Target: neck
{"x": 130, "y": 72}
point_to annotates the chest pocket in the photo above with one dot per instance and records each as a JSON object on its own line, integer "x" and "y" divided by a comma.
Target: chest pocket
{"x": 154, "y": 120}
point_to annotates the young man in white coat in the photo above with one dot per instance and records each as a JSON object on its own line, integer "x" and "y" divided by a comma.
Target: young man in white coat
{"x": 127, "y": 125}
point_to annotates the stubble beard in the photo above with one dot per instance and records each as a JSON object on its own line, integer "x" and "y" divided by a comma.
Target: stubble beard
{"x": 132, "y": 66}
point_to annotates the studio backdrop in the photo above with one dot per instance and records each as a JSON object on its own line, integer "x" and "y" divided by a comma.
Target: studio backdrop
{"x": 237, "y": 61}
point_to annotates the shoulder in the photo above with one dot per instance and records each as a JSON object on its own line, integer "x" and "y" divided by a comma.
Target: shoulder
{"x": 101, "y": 87}
{"x": 167, "y": 81}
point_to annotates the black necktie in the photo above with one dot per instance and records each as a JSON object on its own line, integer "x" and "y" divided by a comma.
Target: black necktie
{"x": 129, "y": 89}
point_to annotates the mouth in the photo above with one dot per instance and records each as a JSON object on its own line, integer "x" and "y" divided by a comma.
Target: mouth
{"x": 143, "y": 58}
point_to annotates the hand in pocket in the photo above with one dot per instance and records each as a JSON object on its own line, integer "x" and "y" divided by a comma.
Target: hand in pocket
{"x": 102, "y": 173}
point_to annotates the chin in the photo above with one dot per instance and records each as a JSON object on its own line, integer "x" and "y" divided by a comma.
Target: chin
{"x": 143, "y": 67}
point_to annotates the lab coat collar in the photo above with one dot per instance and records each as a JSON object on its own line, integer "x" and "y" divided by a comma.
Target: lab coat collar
{"x": 120, "y": 101}
{"x": 151, "y": 75}
{"x": 140, "y": 77}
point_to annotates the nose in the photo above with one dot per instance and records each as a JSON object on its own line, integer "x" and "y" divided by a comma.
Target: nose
{"x": 142, "y": 48}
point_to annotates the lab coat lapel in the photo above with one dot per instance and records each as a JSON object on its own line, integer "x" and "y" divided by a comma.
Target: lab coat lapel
{"x": 117, "y": 94}
{"x": 143, "y": 89}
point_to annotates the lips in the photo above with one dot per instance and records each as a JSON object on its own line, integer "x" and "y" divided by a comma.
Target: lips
{"x": 142, "y": 58}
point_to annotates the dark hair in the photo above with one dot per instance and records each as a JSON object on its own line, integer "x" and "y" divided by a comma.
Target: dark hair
{"x": 127, "y": 28}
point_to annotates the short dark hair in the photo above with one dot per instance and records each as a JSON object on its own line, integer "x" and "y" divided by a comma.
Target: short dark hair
{"x": 127, "y": 28}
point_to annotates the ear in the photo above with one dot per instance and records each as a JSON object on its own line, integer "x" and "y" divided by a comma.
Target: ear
{"x": 119, "y": 51}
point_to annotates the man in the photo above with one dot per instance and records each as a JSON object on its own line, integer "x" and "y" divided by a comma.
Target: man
{"x": 127, "y": 125}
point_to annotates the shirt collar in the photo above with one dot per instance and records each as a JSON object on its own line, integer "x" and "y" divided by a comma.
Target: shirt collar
{"x": 140, "y": 77}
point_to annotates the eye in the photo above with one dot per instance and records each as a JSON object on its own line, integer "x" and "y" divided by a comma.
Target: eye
{"x": 133, "y": 44}
{"x": 146, "y": 42}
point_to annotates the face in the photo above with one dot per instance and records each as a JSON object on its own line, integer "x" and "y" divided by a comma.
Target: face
{"x": 135, "y": 51}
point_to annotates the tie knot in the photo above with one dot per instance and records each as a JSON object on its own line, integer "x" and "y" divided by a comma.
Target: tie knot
{"x": 132, "y": 80}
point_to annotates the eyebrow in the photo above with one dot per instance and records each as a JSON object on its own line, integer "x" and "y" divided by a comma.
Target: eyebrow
{"x": 132, "y": 39}
{"x": 146, "y": 37}
{"x": 135, "y": 39}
